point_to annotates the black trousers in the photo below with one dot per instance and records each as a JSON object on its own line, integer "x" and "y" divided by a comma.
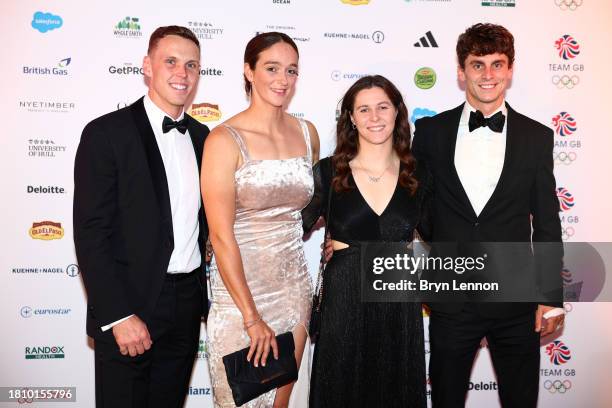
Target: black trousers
{"x": 515, "y": 352}
{"x": 160, "y": 376}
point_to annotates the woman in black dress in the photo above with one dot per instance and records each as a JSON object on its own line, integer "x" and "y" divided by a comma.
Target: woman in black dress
{"x": 368, "y": 354}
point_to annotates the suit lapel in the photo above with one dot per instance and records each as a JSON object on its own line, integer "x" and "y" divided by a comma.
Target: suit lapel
{"x": 198, "y": 142}
{"x": 451, "y": 129}
{"x": 512, "y": 140}
{"x": 154, "y": 159}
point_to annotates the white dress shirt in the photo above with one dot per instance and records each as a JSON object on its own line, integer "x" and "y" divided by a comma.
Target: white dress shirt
{"x": 184, "y": 189}
{"x": 479, "y": 160}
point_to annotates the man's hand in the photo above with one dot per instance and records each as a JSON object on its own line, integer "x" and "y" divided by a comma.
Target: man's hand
{"x": 547, "y": 326}
{"x": 132, "y": 336}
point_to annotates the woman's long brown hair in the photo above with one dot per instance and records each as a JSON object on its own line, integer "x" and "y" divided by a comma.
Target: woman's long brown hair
{"x": 347, "y": 139}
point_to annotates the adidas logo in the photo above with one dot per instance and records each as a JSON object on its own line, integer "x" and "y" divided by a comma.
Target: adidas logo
{"x": 427, "y": 41}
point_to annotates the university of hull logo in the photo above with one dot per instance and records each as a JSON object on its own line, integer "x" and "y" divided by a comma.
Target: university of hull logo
{"x": 564, "y": 124}
{"x": 566, "y": 199}
{"x": 558, "y": 352}
{"x": 567, "y": 47}
{"x": 568, "y": 4}
{"x": 427, "y": 41}
{"x": 46, "y": 230}
{"x": 205, "y": 112}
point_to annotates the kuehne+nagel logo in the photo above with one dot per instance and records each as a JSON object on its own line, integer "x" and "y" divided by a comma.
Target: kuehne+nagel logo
{"x": 44, "y": 22}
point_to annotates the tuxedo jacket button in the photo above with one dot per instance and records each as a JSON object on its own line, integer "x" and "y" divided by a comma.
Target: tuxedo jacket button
{"x": 476, "y": 224}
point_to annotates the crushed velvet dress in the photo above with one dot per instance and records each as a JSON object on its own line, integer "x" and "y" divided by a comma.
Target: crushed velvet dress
{"x": 368, "y": 354}
{"x": 269, "y": 197}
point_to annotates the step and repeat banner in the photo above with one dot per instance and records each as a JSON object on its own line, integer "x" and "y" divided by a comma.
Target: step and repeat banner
{"x": 67, "y": 62}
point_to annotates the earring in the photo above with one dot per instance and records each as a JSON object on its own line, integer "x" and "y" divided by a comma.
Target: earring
{"x": 353, "y": 125}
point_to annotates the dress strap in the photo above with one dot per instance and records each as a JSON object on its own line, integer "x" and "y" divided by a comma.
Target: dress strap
{"x": 306, "y": 134}
{"x": 239, "y": 142}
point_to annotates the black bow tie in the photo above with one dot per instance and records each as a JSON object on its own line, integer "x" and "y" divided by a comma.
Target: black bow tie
{"x": 169, "y": 124}
{"x": 495, "y": 122}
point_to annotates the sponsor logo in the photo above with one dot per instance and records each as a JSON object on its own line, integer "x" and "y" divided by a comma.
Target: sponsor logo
{"x": 281, "y": 1}
{"x": 568, "y": 307}
{"x": 355, "y": 2}
{"x": 567, "y": 47}
{"x": 425, "y": 78}
{"x": 44, "y": 352}
{"x": 121, "y": 105}
{"x": 337, "y": 75}
{"x": 44, "y": 148}
{"x": 205, "y": 30}
{"x": 205, "y": 112}
{"x": 557, "y": 386}
{"x": 127, "y": 69}
{"x": 46, "y": 230}
{"x": 558, "y": 352}
{"x": 427, "y": 41}
{"x": 129, "y": 27}
{"x": 418, "y": 113}
{"x": 564, "y": 124}
{"x": 571, "y": 289}
{"x": 299, "y": 115}
{"x": 482, "y": 386}
{"x": 28, "y": 312}
{"x": 47, "y": 106}
{"x": 566, "y": 199}
{"x": 498, "y": 3}
{"x": 203, "y": 350}
{"x": 58, "y": 70}
{"x": 199, "y": 391}
{"x": 567, "y": 233}
{"x": 73, "y": 270}
{"x": 566, "y": 74}
{"x": 568, "y": 4}
{"x": 289, "y": 30}
{"x": 45, "y": 190}
{"x": 565, "y": 158}
{"x": 377, "y": 36}
{"x": 44, "y": 22}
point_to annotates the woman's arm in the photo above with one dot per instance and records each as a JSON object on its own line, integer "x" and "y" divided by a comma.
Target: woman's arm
{"x": 220, "y": 160}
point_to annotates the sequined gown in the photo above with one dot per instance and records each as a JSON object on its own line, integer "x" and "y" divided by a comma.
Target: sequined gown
{"x": 269, "y": 197}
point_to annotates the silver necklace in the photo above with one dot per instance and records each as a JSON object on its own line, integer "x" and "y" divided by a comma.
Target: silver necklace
{"x": 375, "y": 179}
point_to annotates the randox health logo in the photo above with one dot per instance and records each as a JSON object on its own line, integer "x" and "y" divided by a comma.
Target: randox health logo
{"x": 44, "y": 352}
{"x": 205, "y": 112}
{"x": 46, "y": 230}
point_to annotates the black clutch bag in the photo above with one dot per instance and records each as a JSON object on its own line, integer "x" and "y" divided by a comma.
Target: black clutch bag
{"x": 248, "y": 382}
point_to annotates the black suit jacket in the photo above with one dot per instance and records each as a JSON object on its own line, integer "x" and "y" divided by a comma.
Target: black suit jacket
{"x": 524, "y": 197}
{"x": 122, "y": 219}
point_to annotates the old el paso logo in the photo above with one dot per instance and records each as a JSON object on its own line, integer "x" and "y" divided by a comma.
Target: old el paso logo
{"x": 205, "y": 112}
{"x": 47, "y": 230}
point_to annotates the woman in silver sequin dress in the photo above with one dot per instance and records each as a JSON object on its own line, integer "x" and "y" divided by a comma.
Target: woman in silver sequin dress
{"x": 256, "y": 178}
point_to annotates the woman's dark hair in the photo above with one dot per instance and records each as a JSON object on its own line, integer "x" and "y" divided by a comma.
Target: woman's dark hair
{"x": 484, "y": 39}
{"x": 347, "y": 139}
{"x": 259, "y": 43}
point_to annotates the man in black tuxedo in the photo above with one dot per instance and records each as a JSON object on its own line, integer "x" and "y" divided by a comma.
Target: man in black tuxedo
{"x": 139, "y": 232}
{"x": 494, "y": 182}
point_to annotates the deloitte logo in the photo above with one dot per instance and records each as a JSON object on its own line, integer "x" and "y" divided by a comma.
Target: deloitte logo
{"x": 60, "y": 69}
{"x": 44, "y": 22}
{"x": 425, "y": 78}
{"x": 44, "y": 352}
{"x": 129, "y": 27}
